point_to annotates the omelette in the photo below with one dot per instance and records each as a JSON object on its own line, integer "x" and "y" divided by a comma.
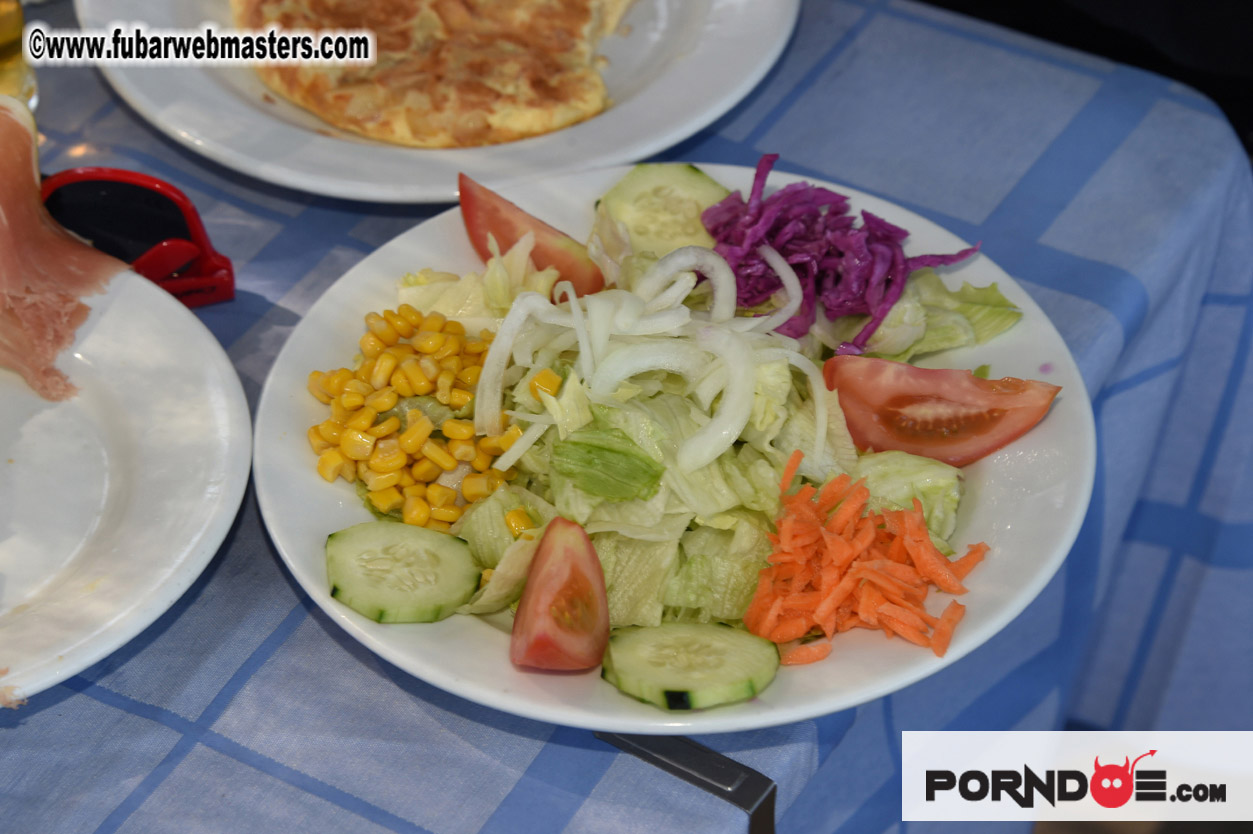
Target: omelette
{"x": 449, "y": 73}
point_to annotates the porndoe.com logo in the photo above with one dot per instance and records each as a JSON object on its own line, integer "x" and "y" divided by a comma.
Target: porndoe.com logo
{"x": 978, "y": 776}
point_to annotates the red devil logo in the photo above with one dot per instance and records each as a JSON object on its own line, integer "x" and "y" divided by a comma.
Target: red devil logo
{"x": 1111, "y": 785}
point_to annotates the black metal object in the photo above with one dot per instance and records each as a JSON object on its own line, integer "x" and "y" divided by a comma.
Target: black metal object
{"x": 706, "y": 769}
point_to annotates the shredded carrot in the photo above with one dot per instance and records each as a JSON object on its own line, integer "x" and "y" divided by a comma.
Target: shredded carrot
{"x": 837, "y": 566}
{"x": 804, "y": 652}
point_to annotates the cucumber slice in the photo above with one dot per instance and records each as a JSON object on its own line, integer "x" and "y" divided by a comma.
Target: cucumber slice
{"x": 685, "y": 666}
{"x": 660, "y": 204}
{"x": 397, "y": 573}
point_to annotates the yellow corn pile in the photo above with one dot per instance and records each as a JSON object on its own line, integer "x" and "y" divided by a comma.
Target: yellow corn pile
{"x": 407, "y": 354}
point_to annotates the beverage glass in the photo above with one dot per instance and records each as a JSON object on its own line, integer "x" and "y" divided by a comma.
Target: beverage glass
{"x": 17, "y": 79}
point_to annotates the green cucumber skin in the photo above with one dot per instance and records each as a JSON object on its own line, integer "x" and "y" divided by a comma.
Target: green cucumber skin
{"x": 660, "y": 204}
{"x": 429, "y": 576}
{"x": 624, "y": 668}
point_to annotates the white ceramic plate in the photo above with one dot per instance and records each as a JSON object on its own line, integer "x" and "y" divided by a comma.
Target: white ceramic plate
{"x": 1026, "y": 501}
{"x": 680, "y": 65}
{"x": 113, "y": 502}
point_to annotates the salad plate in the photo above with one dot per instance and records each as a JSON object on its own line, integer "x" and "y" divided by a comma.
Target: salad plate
{"x": 1026, "y": 502}
{"x": 114, "y": 501}
{"x": 677, "y": 66}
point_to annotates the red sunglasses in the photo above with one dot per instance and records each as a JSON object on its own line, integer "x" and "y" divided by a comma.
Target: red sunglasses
{"x": 145, "y": 222}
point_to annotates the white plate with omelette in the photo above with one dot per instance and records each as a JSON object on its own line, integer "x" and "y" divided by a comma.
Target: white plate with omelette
{"x": 673, "y": 67}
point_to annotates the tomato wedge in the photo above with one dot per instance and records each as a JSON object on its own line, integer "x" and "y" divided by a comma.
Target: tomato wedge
{"x": 562, "y": 622}
{"x": 486, "y": 212}
{"x": 949, "y": 415}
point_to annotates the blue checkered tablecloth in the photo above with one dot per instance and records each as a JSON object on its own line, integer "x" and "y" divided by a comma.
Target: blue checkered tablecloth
{"x": 1121, "y": 201}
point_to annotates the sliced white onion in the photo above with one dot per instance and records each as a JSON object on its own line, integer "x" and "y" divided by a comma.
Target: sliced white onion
{"x": 735, "y": 408}
{"x": 520, "y": 446}
{"x": 531, "y": 417}
{"x": 817, "y": 390}
{"x": 490, "y": 392}
{"x": 667, "y": 321}
{"x": 709, "y": 263}
{"x": 580, "y": 326}
{"x": 678, "y": 357}
{"x": 791, "y": 286}
{"x": 673, "y": 295}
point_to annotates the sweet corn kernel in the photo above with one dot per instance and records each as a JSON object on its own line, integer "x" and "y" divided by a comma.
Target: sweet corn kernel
{"x": 486, "y": 335}
{"x": 357, "y": 386}
{"x": 383, "y": 399}
{"x": 333, "y": 383}
{"x": 416, "y": 511}
{"x": 375, "y": 481}
{"x": 386, "y": 427}
{"x": 370, "y": 345}
{"x": 435, "y": 451}
{"x": 438, "y": 526}
{"x": 362, "y": 418}
{"x": 459, "y": 398}
{"x": 485, "y": 577}
{"x": 482, "y": 461}
{"x": 414, "y": 489}
{"x": 451, "y": 363}
{"x": 388, "y": 456}
{"x": 476, "y": 346}
{"x": 429, "y": 367}
{"x": 458, "y": 429}
{"x": 448, "y": 514}
{"x": 400, "y": 382}
{"x": 547, "y": 381}
{"x": 498, "y": 444}
{"x": 403, "y": 326}
{"x": 410, "y": 314}
{"x": 407, "y": 480}
{"x": 438, "y": 495}
{"x": 357, "y": 445}
{"x": 425, "y": 471}
{"x": 319, "y": 443}
{"x": 475, "y": 488}
{"x": 339, "y": 413}
{"x": 470, "y": 376}
{"x": 331, "y": 464}
{"x": 495, "y": 478}
{"x": 382, "y": 328}
{"x": 418, "y": 380}
{"x": 518, "y": 521}
{"x": 349, "y": 472}
{"x": 384, "y": 365}
{"x": 387, "y": 500}
{"x": 454, "y": 328}
{"x": 365, "y": 370}
{"x": 428, "y": 341}
{"x": 443, "y": 386}
{"x": 315, "y": 387}
{"x": 451, "y": 347}
{"x": 331, "y": 430}
{"x": 419, "y": 430}
{"x": 349, "y": 400}
{"x": 401, "y": 351}
{"x": 463, "y": 450}
{"x": 433, "y": 323}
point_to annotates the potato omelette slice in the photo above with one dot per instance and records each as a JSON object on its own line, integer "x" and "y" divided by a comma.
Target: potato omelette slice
{"x": 450, "y": 73}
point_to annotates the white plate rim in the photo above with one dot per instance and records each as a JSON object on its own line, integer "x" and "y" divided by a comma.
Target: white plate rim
{"x": 743, "y": 40}
{"x": 188, "y": 560}
{"x": 633, "y": 717}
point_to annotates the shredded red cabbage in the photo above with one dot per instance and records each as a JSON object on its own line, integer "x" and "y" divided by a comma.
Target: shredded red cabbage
{"x": 848, "y": 270}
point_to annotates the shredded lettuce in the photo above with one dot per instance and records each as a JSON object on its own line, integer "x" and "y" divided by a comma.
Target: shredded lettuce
{"x": 896, "y": 478}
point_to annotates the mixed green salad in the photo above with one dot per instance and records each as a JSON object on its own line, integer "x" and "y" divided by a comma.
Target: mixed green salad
{"x": 673, "y": 379}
